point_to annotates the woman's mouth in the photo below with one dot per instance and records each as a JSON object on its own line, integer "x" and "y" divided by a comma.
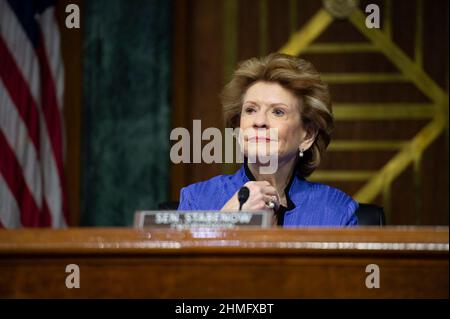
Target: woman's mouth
{"x": 257, "y": 139}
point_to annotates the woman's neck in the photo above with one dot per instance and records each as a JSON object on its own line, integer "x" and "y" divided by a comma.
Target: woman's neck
{"x": 280, "y": 178}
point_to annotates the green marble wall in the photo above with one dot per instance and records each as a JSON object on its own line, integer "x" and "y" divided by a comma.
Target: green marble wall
{"x": 126, "y": 120}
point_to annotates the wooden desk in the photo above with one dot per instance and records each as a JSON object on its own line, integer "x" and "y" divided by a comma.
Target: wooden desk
{"x": 242, "y": 263}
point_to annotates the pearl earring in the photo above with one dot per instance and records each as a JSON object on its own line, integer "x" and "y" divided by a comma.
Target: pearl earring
{"x": 301, "y": 152}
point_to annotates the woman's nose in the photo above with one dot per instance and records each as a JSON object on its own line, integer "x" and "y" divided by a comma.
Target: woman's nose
{"x": 260, "y": 120}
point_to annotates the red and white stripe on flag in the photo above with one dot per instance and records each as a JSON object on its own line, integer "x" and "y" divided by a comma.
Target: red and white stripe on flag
{"x": 32, "y": 183}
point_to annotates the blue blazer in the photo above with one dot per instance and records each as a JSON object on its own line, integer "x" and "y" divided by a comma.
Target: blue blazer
{"x": 314, "y": 204}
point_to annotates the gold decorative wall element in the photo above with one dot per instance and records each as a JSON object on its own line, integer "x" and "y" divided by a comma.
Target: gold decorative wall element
{"x": 410, "y": 70}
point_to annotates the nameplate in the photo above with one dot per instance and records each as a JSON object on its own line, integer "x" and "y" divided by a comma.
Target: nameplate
{"x": 190, "y": 219}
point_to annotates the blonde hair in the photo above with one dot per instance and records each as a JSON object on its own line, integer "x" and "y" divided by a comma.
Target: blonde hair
{"x": 299, "y": 77}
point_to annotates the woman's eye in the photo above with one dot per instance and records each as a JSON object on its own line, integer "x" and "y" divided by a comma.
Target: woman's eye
{"x": 249, "y": 110}
{"x": 278, "y": 112}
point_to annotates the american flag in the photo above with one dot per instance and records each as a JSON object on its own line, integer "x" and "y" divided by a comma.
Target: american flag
{"x": 32, "y": 191}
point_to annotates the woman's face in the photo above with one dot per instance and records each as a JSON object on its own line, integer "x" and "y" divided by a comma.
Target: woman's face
{"x": 267, "y": 105}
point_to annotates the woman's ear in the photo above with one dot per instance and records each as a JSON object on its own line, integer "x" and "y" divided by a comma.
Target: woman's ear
{"x": 307, "y": 141}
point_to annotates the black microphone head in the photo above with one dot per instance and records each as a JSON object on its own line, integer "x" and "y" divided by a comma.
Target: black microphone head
{"x": 243, "y": 194}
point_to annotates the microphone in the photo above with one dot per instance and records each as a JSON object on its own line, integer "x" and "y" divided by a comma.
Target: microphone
{"x": 243, "y": 195}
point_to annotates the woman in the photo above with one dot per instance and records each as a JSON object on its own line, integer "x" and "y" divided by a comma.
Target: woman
{"x": 284, "y": 94}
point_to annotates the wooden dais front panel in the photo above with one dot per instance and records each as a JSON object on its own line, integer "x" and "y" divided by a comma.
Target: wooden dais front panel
{"x": 218, "y": 263}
